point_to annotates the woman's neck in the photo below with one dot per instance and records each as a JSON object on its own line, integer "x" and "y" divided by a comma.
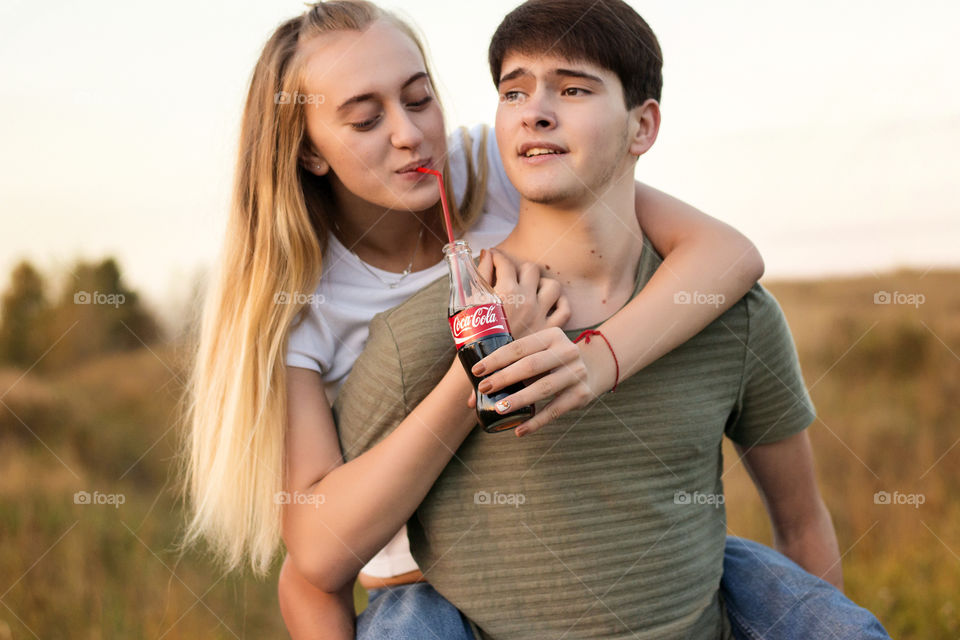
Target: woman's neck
{"x": 387, "y": 239}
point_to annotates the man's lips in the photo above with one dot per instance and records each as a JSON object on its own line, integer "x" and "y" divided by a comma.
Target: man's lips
{"x": 536, "y": 149}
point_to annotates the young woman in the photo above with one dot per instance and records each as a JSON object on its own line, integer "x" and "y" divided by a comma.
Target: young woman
{"x": 339, "y": 113}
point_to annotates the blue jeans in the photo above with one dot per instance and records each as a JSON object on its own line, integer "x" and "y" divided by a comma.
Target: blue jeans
{"x": 767, "y": 596}
{"x": 411, "y": 612}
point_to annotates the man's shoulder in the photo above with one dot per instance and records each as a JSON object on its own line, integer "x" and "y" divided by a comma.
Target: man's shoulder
{"x": 416, "y": 333}
{"x": 760, "y": 304}
{"x": 407, "y": 352}
{"x": 419, "y": 321}
{"x": 432, "y": 297}
{"x": 757, "y": 309}
{"x": 766, "y": 322}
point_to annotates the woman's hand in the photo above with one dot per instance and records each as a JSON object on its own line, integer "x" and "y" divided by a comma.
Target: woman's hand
{"x": 569, "y": 375}
{"x": 552, "y": 366}
{"x": 531, "y": 302}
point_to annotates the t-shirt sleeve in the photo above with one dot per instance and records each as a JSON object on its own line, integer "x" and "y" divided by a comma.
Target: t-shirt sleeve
{"x": 500, "y": 191}
{"x": 371, "y": 401}
{"x": 501, "y": 196}
{"x": 308, "y": 344}
{"x": 773, "y": 402}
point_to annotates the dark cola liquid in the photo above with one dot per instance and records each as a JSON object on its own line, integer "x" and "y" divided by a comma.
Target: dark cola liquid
{"x": 490, "y": 420}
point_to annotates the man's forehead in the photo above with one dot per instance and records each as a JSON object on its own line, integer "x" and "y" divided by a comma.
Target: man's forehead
{"x": 545, "y": 64}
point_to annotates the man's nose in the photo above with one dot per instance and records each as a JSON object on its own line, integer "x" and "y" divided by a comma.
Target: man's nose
{"x": 537, "y": 111}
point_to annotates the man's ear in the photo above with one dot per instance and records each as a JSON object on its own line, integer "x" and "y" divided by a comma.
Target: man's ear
{"x": 314, "y": 163}
{"x": 644, "y": 126}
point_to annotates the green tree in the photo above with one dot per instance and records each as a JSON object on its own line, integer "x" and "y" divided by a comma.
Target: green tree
{"x": 24, "y": 317}
{"x": 97, "y": 313}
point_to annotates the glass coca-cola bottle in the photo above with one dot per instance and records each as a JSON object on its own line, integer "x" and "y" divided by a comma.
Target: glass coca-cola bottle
{"x": 479, "y": 327}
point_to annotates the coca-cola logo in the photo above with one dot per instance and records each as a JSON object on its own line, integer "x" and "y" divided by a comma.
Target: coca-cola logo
{"x": 476, "y": 322}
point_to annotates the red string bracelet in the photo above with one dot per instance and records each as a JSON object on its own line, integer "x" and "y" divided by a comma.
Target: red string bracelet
{"x": 586, "y": 337}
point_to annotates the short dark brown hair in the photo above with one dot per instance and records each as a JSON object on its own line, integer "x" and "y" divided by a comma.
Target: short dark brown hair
{"x": 608, "y": 33}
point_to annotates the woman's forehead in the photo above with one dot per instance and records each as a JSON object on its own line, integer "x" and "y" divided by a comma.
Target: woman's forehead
{"x": 379, "y": 59}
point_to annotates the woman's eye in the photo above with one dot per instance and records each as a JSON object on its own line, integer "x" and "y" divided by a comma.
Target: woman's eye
{"x": 365, "y": 125}
{"x": 420, "y": 103}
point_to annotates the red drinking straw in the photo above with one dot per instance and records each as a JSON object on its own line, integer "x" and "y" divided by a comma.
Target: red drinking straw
{"x": 446, "y": 216}
{"x": 443, "y": 199}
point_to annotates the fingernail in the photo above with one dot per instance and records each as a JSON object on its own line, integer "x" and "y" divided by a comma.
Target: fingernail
{"x": 521, "y": 432}
{"x": 503, "y": 406}
{"x": 478, "y": 369}
{"x": 485, "y": 386}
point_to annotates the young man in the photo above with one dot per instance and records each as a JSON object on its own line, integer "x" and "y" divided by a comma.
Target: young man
{"x": 613, "y": 522}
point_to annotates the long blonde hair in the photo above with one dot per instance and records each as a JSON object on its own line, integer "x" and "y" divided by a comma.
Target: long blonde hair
{"x": 232, "y": 459}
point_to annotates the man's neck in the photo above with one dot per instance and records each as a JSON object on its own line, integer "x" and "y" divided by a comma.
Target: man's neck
{"x": 592, "y": 249}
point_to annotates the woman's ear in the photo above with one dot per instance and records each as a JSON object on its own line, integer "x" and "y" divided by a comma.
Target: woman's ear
{"x": 313, "y": 163}
{"x": 644, "y": 126}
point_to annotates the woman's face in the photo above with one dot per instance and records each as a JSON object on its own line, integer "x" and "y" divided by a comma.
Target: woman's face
{"x": 372, "y": 117}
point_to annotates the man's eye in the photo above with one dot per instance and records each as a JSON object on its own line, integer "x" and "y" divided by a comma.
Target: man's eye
{"x": 575, "y": 91}
{"x": 511, "y": 96}
{"x": 365, "y": 125}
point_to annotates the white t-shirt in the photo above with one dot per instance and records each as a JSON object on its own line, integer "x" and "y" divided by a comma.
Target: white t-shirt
{"x": 335, "y": 326}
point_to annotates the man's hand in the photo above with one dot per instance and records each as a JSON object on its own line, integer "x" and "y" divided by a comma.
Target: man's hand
{"x": 784, "y": 475}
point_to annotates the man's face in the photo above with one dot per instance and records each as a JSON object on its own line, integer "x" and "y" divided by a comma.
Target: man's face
{"x": 563, "y": 129}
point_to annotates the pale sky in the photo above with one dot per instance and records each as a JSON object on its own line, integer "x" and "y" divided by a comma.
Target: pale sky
{"x": 827, "y": 132}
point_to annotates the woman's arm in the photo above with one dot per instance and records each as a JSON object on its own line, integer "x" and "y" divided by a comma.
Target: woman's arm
{"x": 339, "y": 514}
{"x": 701, "y": 256}
{"x": 311, "y": 613}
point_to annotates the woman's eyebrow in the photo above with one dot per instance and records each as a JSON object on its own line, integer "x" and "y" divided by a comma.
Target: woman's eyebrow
{"x": 363, "y": 97}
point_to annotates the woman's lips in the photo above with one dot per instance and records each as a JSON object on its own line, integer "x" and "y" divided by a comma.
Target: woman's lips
{"x": 411, "y": 169}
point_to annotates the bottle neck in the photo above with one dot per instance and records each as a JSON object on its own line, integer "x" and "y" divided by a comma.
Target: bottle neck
{"x": 456, "y": 249}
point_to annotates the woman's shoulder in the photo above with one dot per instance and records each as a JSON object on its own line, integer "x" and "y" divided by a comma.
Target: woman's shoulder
{"x": 459, "y": 142}
{"x": 501, "y": 199}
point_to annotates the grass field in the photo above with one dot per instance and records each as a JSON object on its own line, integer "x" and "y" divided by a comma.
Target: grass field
{"x": 885, "y": 379}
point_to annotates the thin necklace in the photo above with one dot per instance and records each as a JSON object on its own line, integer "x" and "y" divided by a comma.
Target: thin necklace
{"x": 403, "y": 274}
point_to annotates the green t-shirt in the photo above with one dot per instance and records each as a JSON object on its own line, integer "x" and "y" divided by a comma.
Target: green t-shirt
{"x": 608, "y": 522}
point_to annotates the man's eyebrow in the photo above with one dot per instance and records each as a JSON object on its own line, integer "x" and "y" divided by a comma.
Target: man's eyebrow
{"x": 363, "y": 97}
{"x": 516, "y": 73}
{"x": 569, "y": 73}
{"x": 572, "y": 73}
